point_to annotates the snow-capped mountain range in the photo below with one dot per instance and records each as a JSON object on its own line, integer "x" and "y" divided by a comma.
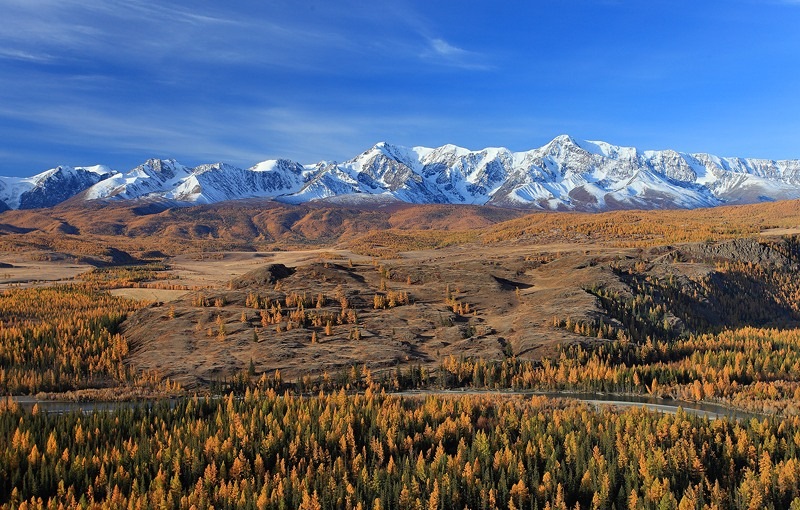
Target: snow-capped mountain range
{"x": 49, "y": 188}
{"x": 565, "y": 174}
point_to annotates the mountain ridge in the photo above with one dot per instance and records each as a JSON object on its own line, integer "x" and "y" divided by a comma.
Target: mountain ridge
{"x": 564, "y": 174}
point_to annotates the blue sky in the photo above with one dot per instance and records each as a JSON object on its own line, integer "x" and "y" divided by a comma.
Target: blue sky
{"x": 119, "y": 81}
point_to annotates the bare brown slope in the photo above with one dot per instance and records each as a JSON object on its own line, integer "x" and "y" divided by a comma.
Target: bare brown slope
{"x": 241, "y": 225}
{"x": 139, "y": 228}
{"x": 462, "y": 302}
{"x": 649, "y": 228}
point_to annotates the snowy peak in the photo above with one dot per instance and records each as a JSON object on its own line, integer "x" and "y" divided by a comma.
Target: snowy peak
{"x": 50, "y": 187}
{"x": 153, "y": 177}
{"x": 564, "y": 174}
{"x": 160, "y": 169}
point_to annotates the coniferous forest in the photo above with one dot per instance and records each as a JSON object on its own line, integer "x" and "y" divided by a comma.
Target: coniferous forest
{"x": 372, "y": 450}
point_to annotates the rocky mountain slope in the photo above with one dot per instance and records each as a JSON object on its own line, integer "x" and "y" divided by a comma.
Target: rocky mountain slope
{"x": 565, "y": 174}
{"x": 50, "y": 187}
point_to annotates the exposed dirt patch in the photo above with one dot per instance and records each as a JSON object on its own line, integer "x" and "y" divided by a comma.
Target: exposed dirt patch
{"x": 155, "y": 295}
{"x": 20, "y": 271}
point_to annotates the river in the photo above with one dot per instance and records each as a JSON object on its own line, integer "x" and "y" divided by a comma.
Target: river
{"x": 709, "y": 410}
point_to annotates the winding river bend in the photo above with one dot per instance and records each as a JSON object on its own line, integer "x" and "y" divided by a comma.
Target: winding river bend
{"x": 709, "y": 410}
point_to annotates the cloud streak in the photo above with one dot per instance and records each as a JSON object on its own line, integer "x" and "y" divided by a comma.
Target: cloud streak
{"x": 442, "y": 52}
{"x": 24, "y": 56}
{"x": 149, "y": 11}
{"x": 445, "y": 49}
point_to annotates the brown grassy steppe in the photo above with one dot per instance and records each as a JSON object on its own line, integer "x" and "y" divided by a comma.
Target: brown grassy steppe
{"x": 396, "y": 286}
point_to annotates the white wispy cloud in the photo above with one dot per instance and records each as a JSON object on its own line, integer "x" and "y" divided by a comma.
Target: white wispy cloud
{"x": 25, "y": 56}
{"x": 441, "y": 52}
{"x": 446, "y": 49}
{"x": 151, "y": 10}
{"x": 143, "y": 32}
